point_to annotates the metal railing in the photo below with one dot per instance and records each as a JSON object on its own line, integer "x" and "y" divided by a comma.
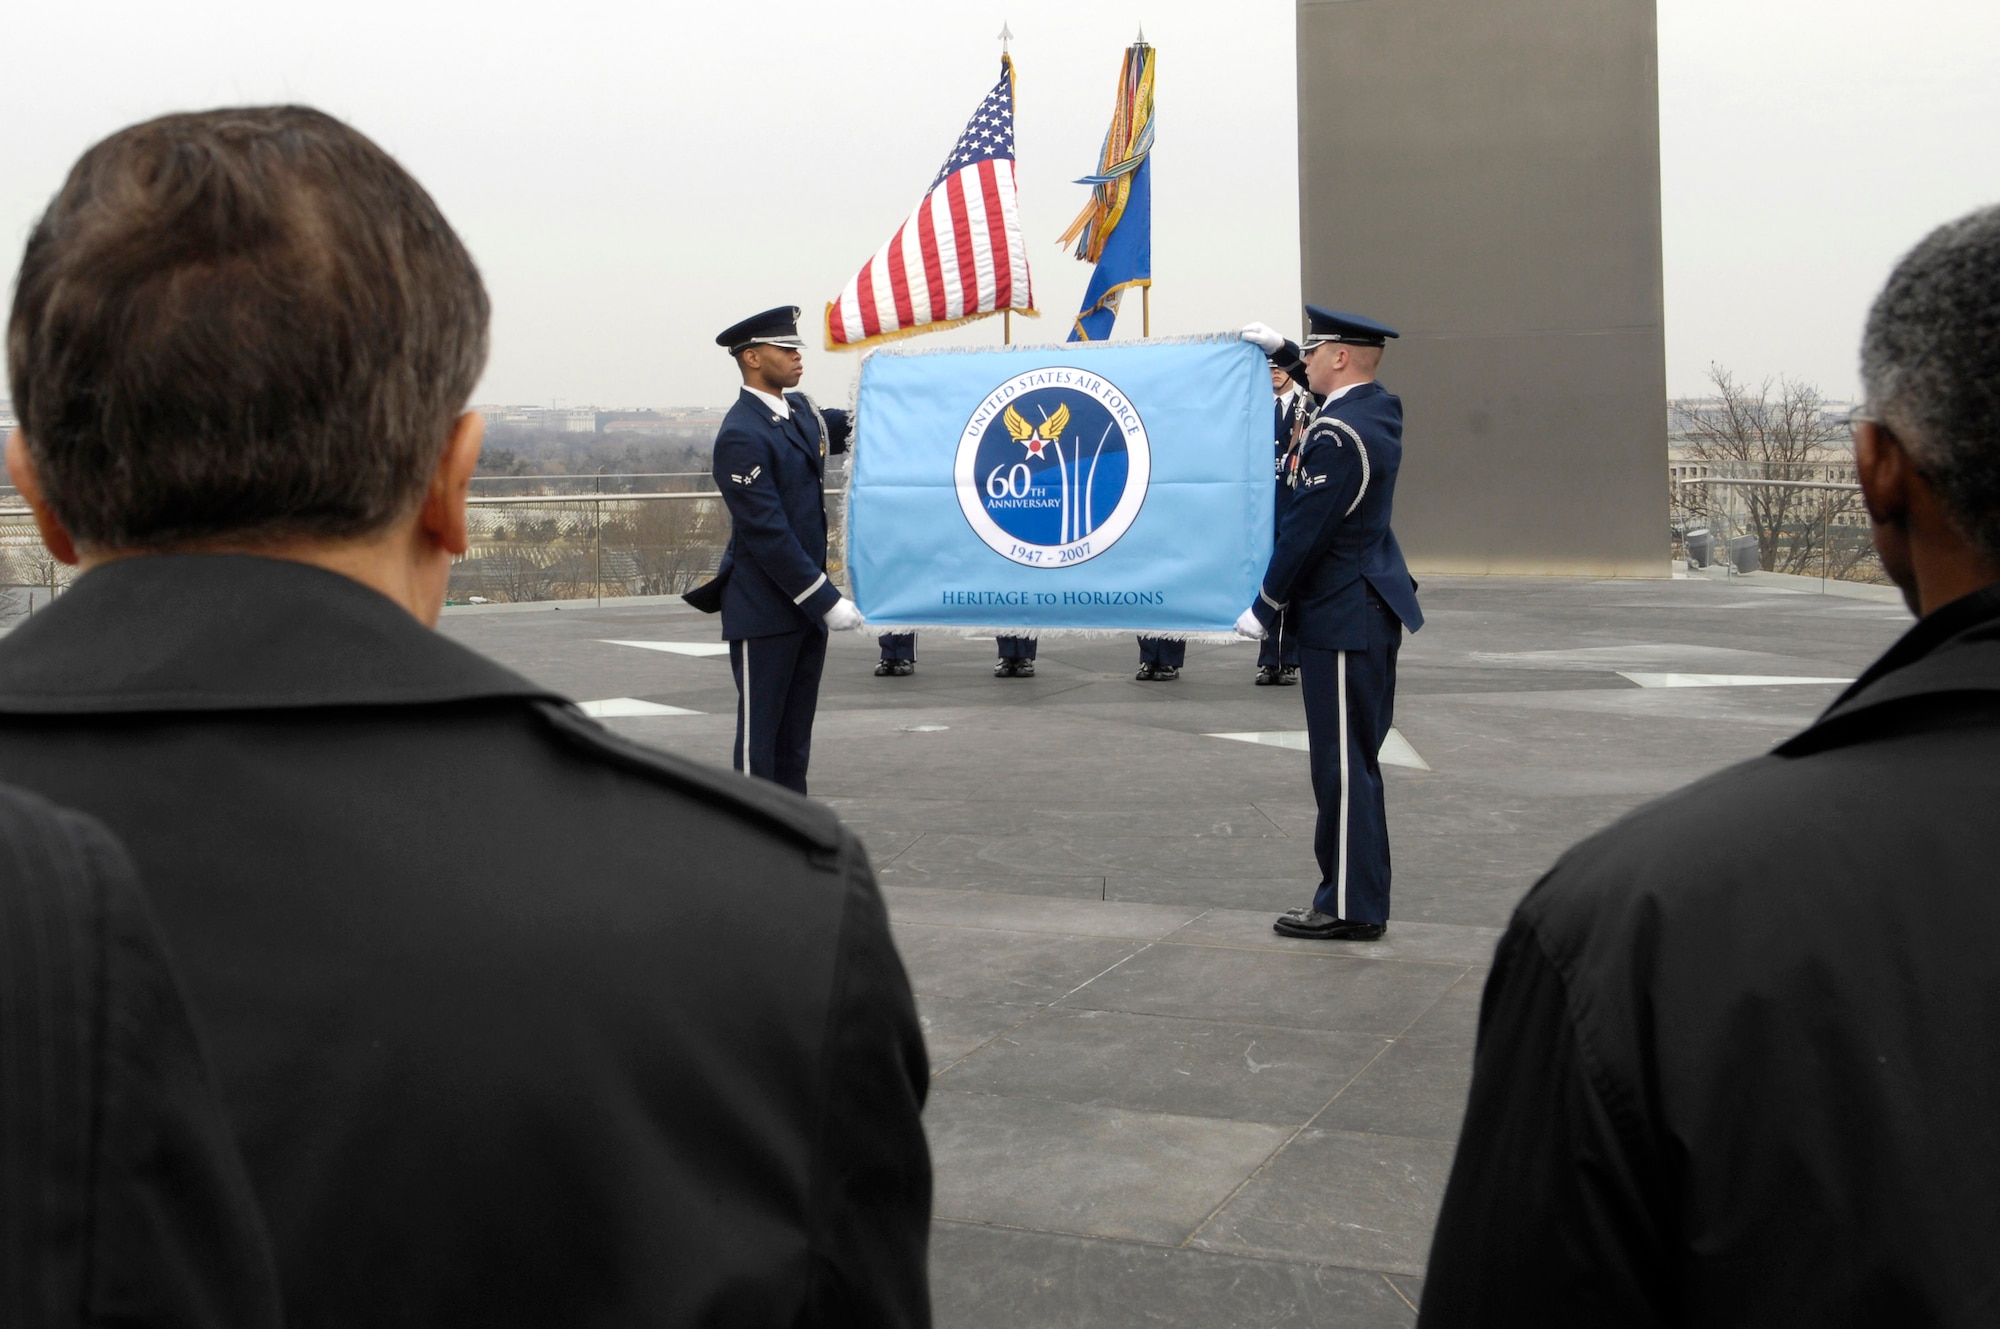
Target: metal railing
{"x": 588, "y": 546}
{"x": 591, "y": 546}
{"x": 26, "y": 564}
{"x": 1790, "y": 532}
{"x": 602, "y": 546}
{"x": 593, "y": 482}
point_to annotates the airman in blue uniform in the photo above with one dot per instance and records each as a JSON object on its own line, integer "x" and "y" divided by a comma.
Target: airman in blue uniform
{"x": 1291, "y": 411}
{"x": 1161, "y": 658}
{"x": 1338, "y": 574}
{"x": 1017, "y": 657}
{"x": 772, "y": 590}
{"x": 899, "y": 655}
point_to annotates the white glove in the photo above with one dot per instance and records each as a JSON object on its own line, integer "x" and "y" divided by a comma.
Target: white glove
{"x": 1248, "y": 626}
{"x": 843, "y": 616}
{"x": 1266, "y": 339}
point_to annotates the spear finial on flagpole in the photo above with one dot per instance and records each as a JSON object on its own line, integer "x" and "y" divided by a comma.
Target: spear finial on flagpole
{"x": 1142, "y": 36}
{"x": 1005, "y": 37}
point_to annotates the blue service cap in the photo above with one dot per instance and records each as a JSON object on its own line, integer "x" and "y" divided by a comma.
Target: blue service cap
{"x": 1350, "y": 329}
{"x": 773, "y": 327}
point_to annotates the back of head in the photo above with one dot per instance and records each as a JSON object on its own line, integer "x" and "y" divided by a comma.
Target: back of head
{"x": 1930, "y": 364}
{"x": 241, "y": 325}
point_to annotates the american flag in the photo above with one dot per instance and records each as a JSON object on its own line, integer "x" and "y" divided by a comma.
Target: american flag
{"x": 960, "y": 254}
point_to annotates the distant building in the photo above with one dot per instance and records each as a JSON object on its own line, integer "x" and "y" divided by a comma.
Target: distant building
{"x": 682, "y": 423}
{"x": 631, "y": 422}
{"x": 1830, "y": 462}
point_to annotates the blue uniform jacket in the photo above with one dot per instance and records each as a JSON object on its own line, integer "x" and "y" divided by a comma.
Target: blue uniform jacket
{"x": 770, "y": 471}
{"x": 1334, "y": 541}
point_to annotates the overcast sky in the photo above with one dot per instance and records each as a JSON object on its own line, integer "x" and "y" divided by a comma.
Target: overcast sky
{"x": 632, "y": 178}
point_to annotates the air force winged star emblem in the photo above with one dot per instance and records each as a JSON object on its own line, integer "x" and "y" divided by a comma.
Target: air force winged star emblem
{"x": 751, "y": 478}
{"x": 1035, "y": 438}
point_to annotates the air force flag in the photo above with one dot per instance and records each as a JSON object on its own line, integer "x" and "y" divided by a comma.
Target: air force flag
{"x": 1121, "y": 487}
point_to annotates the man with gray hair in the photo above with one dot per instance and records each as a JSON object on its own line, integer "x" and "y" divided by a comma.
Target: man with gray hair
{"x": 1736, "y": 1062}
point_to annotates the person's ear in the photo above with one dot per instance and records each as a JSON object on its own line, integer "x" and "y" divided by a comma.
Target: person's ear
{"x": 21, "y": 469}
{"x": 443, "y": 517}
{"x": 1885, "y": 473}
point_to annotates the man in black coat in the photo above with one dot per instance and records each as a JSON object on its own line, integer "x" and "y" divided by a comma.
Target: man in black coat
{"x": 517, "y": 1023}
{"x": 772, "y": 589}
{"x": 1736, "y": 1059}
{"x": 122, "y": 1197}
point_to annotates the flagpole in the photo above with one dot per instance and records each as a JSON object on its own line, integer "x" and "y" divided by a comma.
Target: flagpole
{"x": 1007, "y": 315}
{"x": 1146, "y": 291}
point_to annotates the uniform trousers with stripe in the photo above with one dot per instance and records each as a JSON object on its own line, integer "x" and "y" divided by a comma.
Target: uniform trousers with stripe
{"x": 1350, "y": 701}
{"x": 1280, "y": 647}
{"x": 777, "y": 692}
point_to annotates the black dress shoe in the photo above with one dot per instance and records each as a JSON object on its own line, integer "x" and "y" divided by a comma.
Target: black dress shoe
{"x": 1288, "y": 676}
{"x": 1315, "y": 926}
{"x": 1024, "y": 669}
{"x": 904, "y": 668}
{"x": 1005, "y": 669}
{"x": 1166, "y": 673}
{"x": 886, "y": 668}
{"x": 1266, "y": 675}
{"x": 1145, "y": 674}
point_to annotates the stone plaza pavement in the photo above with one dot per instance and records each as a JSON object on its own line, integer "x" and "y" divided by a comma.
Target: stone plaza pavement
{"x": 1146, "y": 1108}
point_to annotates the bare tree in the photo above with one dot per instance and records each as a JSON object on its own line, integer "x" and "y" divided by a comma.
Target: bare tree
{"x": 1787, "y": 437}
{"x": 674, "y": 543}
{"x": 33, "y": 566}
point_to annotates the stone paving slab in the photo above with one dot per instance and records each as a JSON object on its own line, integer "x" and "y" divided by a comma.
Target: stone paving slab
{"x": 1205, "y": 1068}
{"x": 956, "y": 1027}
{"x": 1085, "y": 1169}
{"x": 1006, "y": 1278}
{"x": 1416, "y": 1088}
{"x": 1277, "y": 987}
{"x": 1358, "y": 1200}
{"x": 1033, "y": 913}
{"x": 998, "y": 966}
{"x": 1268, "y": 896}
{"x": 1246, "y": 929}
{"x": 1147, "y": 1108}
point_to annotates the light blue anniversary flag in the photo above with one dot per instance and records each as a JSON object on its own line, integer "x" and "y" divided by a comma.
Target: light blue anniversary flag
{"x": 1091, "y": 487}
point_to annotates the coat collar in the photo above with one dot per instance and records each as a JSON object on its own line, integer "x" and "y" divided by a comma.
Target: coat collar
{"x": 1359, "y": 392}
{"x": 223, "y": 632}
{"x": 797, "y": 428}
{"x": 1955, "y": 649}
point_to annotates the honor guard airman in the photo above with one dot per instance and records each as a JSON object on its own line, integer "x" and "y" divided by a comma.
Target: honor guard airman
{"x": 1161, "y": 658}
{"x": 1291, "y": 412}
{"x": 899, "y": 655}
{"x": 772, "y": 590}
{"x": 1017, "y": 657}
{"x": 1338, "y": 575}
